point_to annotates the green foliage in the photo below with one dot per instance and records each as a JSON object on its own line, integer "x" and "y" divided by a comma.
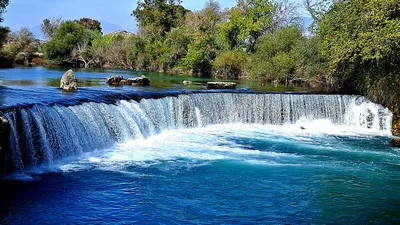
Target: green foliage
{"x": 4, "y": 31}
{"x": 159, "y": 16}
{"x": 361, "y": 39}
{"x": 230, "y": 64}
{"x": 89, "y": 24}
{"x": 22, "y": 46}
{"x": 246, "y": 22}
{"x": 312, "y": 66}
{"x": 274, "y": 59}
{"x": 3, "y": 5}
{"x": 50, "y": 26}
{"x": 203, "y": 48}
{"x": 65, "y": 39}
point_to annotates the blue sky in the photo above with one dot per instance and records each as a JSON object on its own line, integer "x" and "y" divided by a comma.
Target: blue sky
{"x": 30, "y": 13}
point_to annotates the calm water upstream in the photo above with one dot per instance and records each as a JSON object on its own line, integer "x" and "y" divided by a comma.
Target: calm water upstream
{"x": 104, "y": 155}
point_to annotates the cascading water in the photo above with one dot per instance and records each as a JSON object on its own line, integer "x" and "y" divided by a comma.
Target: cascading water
{"x": 42, "y": 134}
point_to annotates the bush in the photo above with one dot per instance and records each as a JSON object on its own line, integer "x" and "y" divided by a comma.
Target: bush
{"x": 230, "y": 65}
{"x": 274, "y": 59}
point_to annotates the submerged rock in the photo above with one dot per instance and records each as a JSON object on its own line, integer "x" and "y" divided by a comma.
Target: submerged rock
{"x": 221, "y": 85}
{"x": 115, "y": 80}
{"x": 396, "y": 142}
{"x": 186, "y": 82}
{"x": 68, "y": 81}
{"x": 140, "y": 81}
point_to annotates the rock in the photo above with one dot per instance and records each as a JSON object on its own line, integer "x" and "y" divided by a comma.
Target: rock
{"x": 303, "y": 128}
{"x": 186, "y": 82}
{"x": 115, "y": 80}
{"x": 396, "y": 124}
{"x": 140, "y": 81}
{"x": 128, "y": 81}
{"x": 396, "y": 142}
{"x": 4, "y": 147}
{"x": 68, "y": 81}
{"x": 4, "y": 133}
{"x": 221, "y": 85}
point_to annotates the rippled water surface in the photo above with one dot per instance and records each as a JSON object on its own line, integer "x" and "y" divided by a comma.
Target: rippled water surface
{"x": 38, "y": 84}
{"x": 232, "y": 173}
{"x": 98, "y": 156}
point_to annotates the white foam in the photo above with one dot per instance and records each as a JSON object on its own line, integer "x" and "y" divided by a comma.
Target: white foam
{"x": 203, "y": 145}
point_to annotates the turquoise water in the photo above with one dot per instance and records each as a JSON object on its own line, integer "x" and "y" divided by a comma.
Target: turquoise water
{"x": 175, "y": 154}
{"x": 26, "y": 85}
{"x": 231, "y": 174}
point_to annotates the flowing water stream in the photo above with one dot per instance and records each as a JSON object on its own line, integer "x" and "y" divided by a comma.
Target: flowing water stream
{"x": 200, "y": 157}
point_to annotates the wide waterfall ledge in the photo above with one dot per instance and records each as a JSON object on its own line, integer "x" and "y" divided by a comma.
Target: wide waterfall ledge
{"x": 44, "y": 133}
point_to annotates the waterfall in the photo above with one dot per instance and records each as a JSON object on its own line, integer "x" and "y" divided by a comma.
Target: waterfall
{"x": 42, "y": 134}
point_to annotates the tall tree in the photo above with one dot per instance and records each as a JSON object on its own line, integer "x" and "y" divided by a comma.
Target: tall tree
{"x": 245, "y": 23}
{"x": 90, "y": 24}
{"x": 284, "y": 14}
{"x": 202, "y": 50}
{"x": 65, "y": 39}
{"x": 3, "y": 5}
{"x": 49, "y": 26}
{"x": 361, "y": 39}
{"x": 22, "y": 45}
{"x": 4, "y": 31}
{"x": 159, "y": 16}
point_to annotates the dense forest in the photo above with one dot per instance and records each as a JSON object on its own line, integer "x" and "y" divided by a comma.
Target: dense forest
{"x": 352, "y": 46}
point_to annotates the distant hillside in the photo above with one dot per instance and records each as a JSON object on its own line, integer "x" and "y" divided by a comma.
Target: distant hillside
{"x": 108, "y": 27}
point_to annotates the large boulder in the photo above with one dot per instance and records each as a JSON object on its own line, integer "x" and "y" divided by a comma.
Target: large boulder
{"x": 115, "y": 80}
{"x": 68, "y": 81}
{"x": 140, "y": 81}
{"x": 221, "y": 85}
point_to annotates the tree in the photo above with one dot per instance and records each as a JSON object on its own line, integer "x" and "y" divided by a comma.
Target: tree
{"x": 159, "y": 16}
{"x": 4, "y": 31}
{"x": 202, "y": 49}
{"x": 89, "y": 24}
{"x": 317, "y": 8}
{"x": 65, "y": 39}
{"x": 83, "y": 53}
{"x": 311, "y": 65}
{"x": 230, "y": 64}
{"x": 361, "y": 39}
{"x": 273, "y": 59}
{"x": 22, "y": 45}
{"x": 245, "y": 23}
{"x": 50, "y": 26}
{"x": 118, "y": 51}
{"x": 284, "y": 14}
{"x": 3, "y": 5}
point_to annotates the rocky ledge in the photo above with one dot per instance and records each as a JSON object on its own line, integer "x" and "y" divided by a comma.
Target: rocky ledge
{"x": 221, "y": 85}
{"x": 117, "y": 80}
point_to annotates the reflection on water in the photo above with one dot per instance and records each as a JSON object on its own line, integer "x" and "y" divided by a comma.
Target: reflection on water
{"x": 50, "y": 77}
{"x": 28, "y": 85}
